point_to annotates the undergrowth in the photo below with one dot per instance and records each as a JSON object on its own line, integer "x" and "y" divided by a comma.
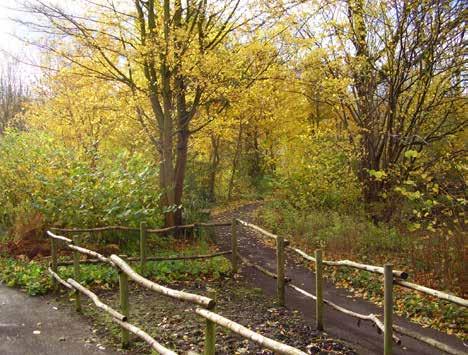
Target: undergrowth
{"x": 422, "y": 309}
{"x": 346, "y": 235}
{"x": 32, "y": 276}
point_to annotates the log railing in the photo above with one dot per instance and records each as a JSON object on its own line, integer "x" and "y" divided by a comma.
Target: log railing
{"x": 277, "y": 347}
{"x": 348, "y": 263}
{"x": 126, "y": 272}
{"x": 135, "y": 229}
{"x": 117, "y": 317}
{"x": 153, "y": 258}
{"x": 144, "y": 231}
{"x": 391, "y": 277}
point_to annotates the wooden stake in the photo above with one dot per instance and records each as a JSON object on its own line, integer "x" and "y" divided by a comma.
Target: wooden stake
{"x": 280, "y": 269}
{"x": 54, "y": 267}
{"x": 210, "y": 338}
{"x": 143, "y": 251}
{"x": 234, "y": 246}
{"x": 124, "y": 307}
{"x": 388, "y": 309}
{"x": 210, "y": 330}
{"x": 76, "y": 269}
{"x": 319, "y": 289}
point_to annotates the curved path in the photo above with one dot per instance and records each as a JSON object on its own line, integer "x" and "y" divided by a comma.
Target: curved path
{"x": 39, "y": 326}
{"x": 363, "y": 338}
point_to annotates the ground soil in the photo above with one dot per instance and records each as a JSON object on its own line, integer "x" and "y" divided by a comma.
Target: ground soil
{"x": 364, "y": 338}
{"x": 175, "y": 325}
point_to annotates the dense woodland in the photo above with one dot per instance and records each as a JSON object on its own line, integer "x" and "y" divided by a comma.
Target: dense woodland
{"x": 347, "y": 119}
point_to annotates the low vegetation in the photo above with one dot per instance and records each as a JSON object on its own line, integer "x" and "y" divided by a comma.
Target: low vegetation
{"x": 32, "y": 276}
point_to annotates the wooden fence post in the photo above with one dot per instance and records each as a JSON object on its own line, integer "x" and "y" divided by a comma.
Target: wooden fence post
{"x": 143, "y": 253}
{"x": 210, "y": 338}
{"x": 124, "y": 306}
{"x": 388, "y": 309}
{"x": 319, "y": 289}
{"x": 210, "y": 331}
{"x": 280, "y": 269}
{"x": 234, "y": 246}
{"x": 53, "y": 254}
{"x": 76, "y": 270}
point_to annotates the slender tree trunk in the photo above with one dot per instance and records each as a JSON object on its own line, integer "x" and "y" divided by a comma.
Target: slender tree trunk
{"x": 181, "y": 164}
{"x": 214, "y": 159}
{"x": 235, "y": 161}
{"x": 167, "y": 175}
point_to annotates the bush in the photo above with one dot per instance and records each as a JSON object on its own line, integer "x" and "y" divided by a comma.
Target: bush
{"x": 338, "y": 233}
{"x": 39, "y": 176}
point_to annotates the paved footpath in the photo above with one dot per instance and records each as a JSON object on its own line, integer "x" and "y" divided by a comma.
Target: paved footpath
{"x": 363, "y": 338}
{"x": 40, "y": 326}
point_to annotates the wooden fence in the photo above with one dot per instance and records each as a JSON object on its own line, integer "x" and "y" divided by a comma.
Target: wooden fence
{"x": 126, "y": 272}
{"x": 391, "y": 277}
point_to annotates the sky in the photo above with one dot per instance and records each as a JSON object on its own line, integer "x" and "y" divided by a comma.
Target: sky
{"x": 12, "y": 47}
{"x": 8, "y": 27}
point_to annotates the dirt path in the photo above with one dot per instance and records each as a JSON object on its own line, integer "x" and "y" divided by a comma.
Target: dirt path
{"x": 39, "y": 326}
{"x": 365, "y": 338}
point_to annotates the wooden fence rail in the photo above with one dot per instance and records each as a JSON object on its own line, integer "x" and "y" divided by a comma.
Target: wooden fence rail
{"x": 179, "y": 295}
{"x": 96, "y": 300}
{"x": 135, "y": 229}
{"x": 268, "y": 343}
{"x": 399, "y": 274}
{"x": 152, "y": 258}
{"x": 439, "y": 294}
{"x": 391, "y": 277}
{"x": 96, "y": 229}
{"x": 259, "y": 229}
{"x": 365, "y": 317}
{"x": 126, "y": 272}
{"x": 117, "y": 317}
{"x": 59, "y": 237}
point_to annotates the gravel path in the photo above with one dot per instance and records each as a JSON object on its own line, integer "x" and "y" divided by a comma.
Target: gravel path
{"x": 364, "y": 338}
{"x": 40, "y": 326}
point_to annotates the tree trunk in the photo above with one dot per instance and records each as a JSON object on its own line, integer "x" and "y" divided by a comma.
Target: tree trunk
{"x": 181, "y": 164}
{"x": 235, "y": 161}
{"x": 167, "y": 172}
{"x": 214, "y": 159}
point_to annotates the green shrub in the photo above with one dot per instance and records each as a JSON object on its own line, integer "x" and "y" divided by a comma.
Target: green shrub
{"x": 38, "y": 175}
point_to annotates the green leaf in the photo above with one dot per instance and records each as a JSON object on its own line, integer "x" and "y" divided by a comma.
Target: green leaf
{"x": 412, "y": 154}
